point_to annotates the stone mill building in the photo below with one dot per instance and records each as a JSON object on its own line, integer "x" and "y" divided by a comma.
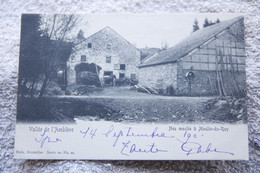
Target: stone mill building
{"x": 113, "y": 55}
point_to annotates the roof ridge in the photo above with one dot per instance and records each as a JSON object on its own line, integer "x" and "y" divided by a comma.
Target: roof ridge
{"x": 108, "y": 27}
{"x": 186, "y": 39}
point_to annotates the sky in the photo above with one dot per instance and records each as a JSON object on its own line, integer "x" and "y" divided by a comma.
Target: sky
{"x": 149, "y": 30}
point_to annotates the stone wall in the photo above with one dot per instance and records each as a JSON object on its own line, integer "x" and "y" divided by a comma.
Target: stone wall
{"x": 120, "y": 51}
{"x": 158, "y": 76}
{"x": 206, "y": 59}
{"x": 205, "y": 83}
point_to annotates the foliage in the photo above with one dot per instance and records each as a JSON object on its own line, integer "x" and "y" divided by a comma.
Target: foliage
{"x": 206, "y": 23}
{"x": 57, "y": 34}
{"x": 53, "y": 88}
{"x": 209, "y": 23}
{"x": 46, "y": 44}
{"x": 30, "y": 63}
{"x": 80, "y": 35}
{"x": 195, "y": 25}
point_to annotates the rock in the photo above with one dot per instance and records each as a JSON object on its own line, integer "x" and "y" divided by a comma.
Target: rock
{"x": 237, "y": 102}
{"x": 233, "y": 112}
{"x": 221, "y": 104}
{"x": 256, "y": 142}
{"x": 229, "y": 99}
{"x": 239, "y": 116}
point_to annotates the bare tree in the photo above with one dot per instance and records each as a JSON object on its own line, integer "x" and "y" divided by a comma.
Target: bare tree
{"x": 57, "y": 36}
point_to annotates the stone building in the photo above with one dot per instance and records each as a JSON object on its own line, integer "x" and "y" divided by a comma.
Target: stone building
{"x": 211, "y": 61}
{"x": 109, "y": 51}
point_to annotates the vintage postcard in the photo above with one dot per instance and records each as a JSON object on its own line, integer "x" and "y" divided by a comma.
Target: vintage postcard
{"x": 132, "y": 87}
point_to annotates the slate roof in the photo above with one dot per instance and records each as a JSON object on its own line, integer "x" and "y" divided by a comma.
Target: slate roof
{"x": 188, "y": 44}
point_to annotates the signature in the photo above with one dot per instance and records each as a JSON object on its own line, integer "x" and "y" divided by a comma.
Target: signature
{"x": 46, "y": 139}
{"x": 190, "y": 147}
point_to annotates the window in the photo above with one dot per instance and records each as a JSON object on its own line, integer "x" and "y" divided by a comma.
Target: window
{"x": 89, "y": 45}
{"x": 109, "y": 46}
{"x": 108, "y": 59}
{"x": 122, "y": 66}
{"x": 83, "y": 58}
{"x": 121, "y": 75}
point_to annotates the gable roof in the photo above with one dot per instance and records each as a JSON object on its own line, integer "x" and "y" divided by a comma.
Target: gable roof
{"x": 188, "y": 44}
{"x": 110, "y": 31}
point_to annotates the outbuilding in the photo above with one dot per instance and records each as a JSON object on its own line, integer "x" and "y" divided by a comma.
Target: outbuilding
{"x": 211, "y": 61}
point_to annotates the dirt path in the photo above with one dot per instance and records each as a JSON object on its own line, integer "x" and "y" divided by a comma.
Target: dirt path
{"x": 126, "y": 93}
{"x": 123, "y": 104}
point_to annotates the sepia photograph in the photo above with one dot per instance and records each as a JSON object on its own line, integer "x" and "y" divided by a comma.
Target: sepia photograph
{"x": 132, "y": 68}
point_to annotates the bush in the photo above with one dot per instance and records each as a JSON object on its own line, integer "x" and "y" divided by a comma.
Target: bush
{"x": 76, "y": 89}
{"x": 67, "y": 92}
{"x": 53, "y": 88}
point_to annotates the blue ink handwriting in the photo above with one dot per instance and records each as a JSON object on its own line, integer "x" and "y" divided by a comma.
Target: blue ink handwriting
{"x": 44, "y": 138}
{"x": 190, "y": 147}
{"x": 134, "y": 149}
{"x": 92, "y": 132}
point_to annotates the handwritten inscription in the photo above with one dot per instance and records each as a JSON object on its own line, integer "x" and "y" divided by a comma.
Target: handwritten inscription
{"x": 129, "y": 148}
{"x": 46, "y": 139}
{"x": 124, "y": 140}
{"x": 133, "y": 141}
{"x": 190, "y": 147}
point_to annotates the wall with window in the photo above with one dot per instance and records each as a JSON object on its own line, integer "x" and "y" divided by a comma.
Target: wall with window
{"x": 110, "y": 51}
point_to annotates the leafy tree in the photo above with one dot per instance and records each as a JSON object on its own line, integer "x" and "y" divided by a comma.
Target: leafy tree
{"x": 195, "y": 25}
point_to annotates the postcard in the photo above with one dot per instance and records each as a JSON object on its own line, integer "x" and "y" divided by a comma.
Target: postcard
{"x": 132, "y": 87}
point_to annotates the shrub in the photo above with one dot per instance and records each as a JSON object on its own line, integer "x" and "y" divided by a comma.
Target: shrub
{"x": 53, "y": 88}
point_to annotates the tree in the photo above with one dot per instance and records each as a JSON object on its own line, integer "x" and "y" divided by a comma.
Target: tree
{"x": 30, "y": 62}
{"x": 206, "y": 23}
{"x": 57, "y": 36}
{"x": 211, "y": 23}
{"x": 195, "y": 25}
{"x": 165, "y": 45}
{"x": 80, "y": 35}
